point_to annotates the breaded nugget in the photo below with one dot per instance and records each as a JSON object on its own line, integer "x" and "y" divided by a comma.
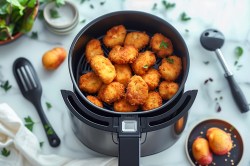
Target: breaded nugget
{"x": 154, "y": 100}
{"x": 93, "y": 48}
{"x": 103, "y": 68}
{"x": 161, "y": 45}
{"x": 100, "y": 92}
{"x": 115, "y": 36}
{"x": 143, "y": 62}
{"x": 95, "y": 101}
{"x": 168, "y": 89}
{"x": 137, "y": 39}
{"x": 137, "y": 91}
{"x": 123, "y": 55}
{"x": 90, "y": 82}
{"x": 123, "y": 74}
{"x": 112, "y": 92}
{"x": 124, "y": 106}
{"x": 170, "y": 68}
{"x": 152, "y": 78}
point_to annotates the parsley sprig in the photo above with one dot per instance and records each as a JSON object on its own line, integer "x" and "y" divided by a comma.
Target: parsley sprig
{"x": 54, "y": 13}
{"x": 49, "y": 130}
{"x": 163, "y": 44}
{"x": 170, "y": 60}
{"x": 168, "y": 5}
{"x": 29, "y": 123}
{"x": 49, "y": 105}
{"x": 5, "y": 86}
{"x": 238, "y": 51}
{"x": 185, "y": 17}
{"x": 5, "y": 152}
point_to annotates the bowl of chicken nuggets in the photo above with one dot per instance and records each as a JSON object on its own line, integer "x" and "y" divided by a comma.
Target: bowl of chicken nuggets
{"x": 128, "y": 62}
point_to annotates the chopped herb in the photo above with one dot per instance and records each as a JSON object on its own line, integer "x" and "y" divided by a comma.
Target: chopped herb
{"x": 208, "y": 80}
{"x": 41, "y": 144}
{"x": 34, "y": 35}
{"x": 40, "y": 14}
{"x": 163, "y": 44}
{"x": 54, "y": 13}
{"x": 170, "y": 60}
{"x": 221, "y": 97}
{"x": 186, "y": 30}
{"x": 216, "y": 99}
{"x": 235, "y": 63}
{"x": 60, "y": 3}
{"x": 83, "y": 21}
{"x": 49, "y": 106}
{"x": 238, "y": 52}
{"x": 29, "y": 123}
{"x": 184, "y": 17}
{"x": 168, "y": 5}
{"x": 5, "y": 86}
{"x": 154, "y": 6}
{"x": 218, "y": 91}
{"x": 91, "y": 6}
{"x": 49, "y": 130}
{"x": 102, "y": 3}
{"x": 82, "y": 1}
{"x": 5, "y": 152}
{"x": 145, "y": 66}
{"x": 206, "y": 62}
{"x": 219, "y": 108}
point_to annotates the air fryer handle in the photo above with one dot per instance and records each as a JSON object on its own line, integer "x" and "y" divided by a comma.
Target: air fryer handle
{"x": 180, "y": 109}
{"x": 129, "y": 140}
{"x": 129, "y": 151}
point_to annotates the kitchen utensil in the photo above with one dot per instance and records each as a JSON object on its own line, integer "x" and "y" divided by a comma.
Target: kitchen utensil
{"x": 213, "y": 40}
{"x": 134, "y": 134}
{"x": 200, "y": 129}
{"x": 31, "y": 89}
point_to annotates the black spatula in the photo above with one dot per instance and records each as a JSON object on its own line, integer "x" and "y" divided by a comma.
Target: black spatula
{"x": 31, "y": 89}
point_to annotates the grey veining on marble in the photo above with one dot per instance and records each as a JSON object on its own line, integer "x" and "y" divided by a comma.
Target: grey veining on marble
{"x": 229, "y": 16}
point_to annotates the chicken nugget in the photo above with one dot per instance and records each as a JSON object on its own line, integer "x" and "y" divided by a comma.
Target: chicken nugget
{"x": 143, "y": 62}
{"x": 90, "y": 82}
{"x": 170, "y": 68}
{"x": 100, "y": 92}
{"x": 152, "y": 78}
{"x": 95, "y": 101}
{"x": 115, "y": 36}
{"x": 168, "y": 89}
{"x": 154, "y": 100}
{"x": 161, "y": 45}
{"x": 123, "y": 74}
{"x": 137, "y": 91}
{"x": 124, "y": 106}
{"x": 137, "y": 39}
{"x": 103, "y": 68}
{"x": 112, "y": 92}
{"x": 123, "y": 55}
{"x": 93, "y": 48}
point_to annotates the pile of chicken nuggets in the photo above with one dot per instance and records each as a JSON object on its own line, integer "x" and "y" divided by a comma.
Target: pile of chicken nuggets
{"x": 128, "y": 78}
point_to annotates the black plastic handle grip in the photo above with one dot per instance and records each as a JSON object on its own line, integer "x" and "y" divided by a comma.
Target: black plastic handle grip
{"x": 238, "y": 94}
{"x": 129, "y": 134}
{"x": 129, "y": 151}
{"x": 53, "y": 139}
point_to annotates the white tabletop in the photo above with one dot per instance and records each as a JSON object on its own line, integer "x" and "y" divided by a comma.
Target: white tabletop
{"x": 229, "y": 16}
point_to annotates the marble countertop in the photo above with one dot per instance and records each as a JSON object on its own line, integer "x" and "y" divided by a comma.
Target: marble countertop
{"x": 229, "y": 16}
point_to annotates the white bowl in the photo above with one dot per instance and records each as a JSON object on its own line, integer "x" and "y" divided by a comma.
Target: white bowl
{"x": 68, "y": 15}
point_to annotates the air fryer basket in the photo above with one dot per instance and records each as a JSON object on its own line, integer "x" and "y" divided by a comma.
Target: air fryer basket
{"x": 105, "y": 118}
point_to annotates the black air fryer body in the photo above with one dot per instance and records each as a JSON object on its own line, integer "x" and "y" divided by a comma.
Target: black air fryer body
{"x": 135, "y": 134}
